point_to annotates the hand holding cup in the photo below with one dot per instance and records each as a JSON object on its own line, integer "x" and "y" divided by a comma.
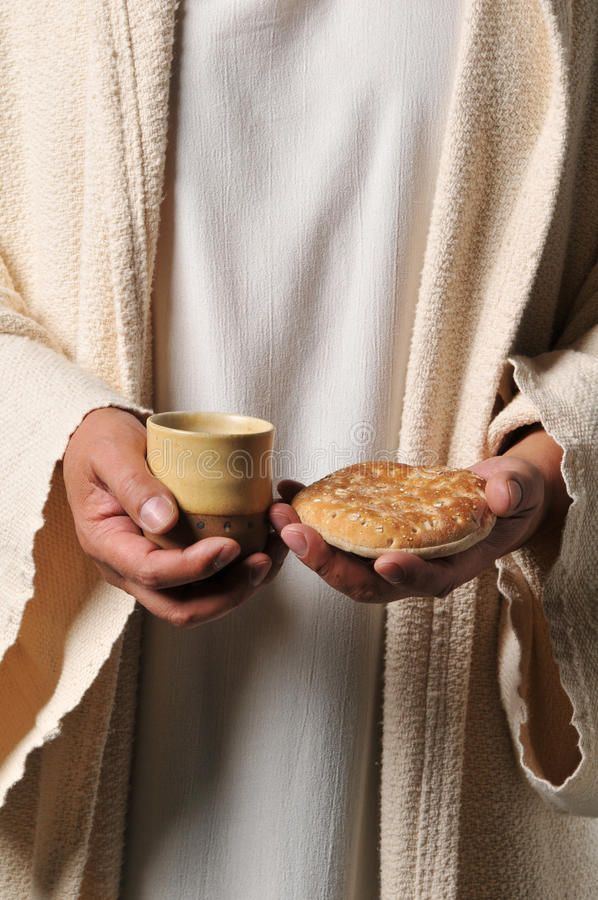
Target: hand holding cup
{"x": 116, "y": 501}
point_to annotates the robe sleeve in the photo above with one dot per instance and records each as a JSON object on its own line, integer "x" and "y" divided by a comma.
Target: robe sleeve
{"x": 45, "y": 396}
{"x": 548, "y": 632}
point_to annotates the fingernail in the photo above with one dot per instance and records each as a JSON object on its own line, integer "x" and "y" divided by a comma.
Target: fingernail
{"x": 226, "y": 555}
{"x": 156, "y": 513}
{"x": 259, "y": 572}
{"x": 515, "y": 493}
{"x": 296, "y": 541}
{"x": 393, "y": 573}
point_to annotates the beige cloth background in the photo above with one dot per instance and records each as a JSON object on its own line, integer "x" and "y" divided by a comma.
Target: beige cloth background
{"x": 505, "y": 332}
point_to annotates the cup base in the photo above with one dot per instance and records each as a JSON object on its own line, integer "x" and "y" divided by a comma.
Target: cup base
{"x": 250, "y": 531}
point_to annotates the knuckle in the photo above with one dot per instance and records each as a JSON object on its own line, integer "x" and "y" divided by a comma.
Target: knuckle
{"x": 101, "y": 447}
{"x": 180, "y": 618}
{"x": 324, "y": 568}
{"x": 131, "y": 485}
{"x": 366, "y": 594}
{"x": 149, "y": 579}
{"x": 102, "y": 442}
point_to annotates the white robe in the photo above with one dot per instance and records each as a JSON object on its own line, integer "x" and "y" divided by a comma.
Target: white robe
{"x": 301, "y": 167}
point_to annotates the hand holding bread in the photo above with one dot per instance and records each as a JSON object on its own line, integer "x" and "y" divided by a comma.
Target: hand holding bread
{"x": 379, "y": 531}
{"x": 379, "y": 505}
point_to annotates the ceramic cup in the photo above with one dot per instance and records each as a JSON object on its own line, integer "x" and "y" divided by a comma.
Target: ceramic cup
{"x": 219, "y": 468}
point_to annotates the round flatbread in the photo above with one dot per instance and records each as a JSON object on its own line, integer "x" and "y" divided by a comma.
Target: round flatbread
{"x": 372, "y": 507}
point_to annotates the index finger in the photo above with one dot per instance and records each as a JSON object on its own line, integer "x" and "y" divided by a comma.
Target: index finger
{"x": 342, "y": 571}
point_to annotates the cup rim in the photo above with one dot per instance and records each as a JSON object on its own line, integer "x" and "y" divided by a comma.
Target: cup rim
{"x": 267, "y": 427}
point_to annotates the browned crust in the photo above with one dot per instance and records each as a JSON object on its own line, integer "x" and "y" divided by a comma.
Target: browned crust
{"x": 372, "y": 507}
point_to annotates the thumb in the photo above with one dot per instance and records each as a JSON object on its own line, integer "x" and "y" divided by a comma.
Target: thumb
{"x": 504, "y": 493}
{"x": 122, "y": 467}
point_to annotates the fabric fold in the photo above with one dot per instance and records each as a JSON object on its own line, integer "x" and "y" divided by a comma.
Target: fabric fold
{"x": 53, "y": 640}
{"x": 548, "y": 653}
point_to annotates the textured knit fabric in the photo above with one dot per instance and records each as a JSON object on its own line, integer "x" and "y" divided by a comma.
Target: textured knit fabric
{"x": 300, "y": 178}
{"x": 479, "y": 686}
